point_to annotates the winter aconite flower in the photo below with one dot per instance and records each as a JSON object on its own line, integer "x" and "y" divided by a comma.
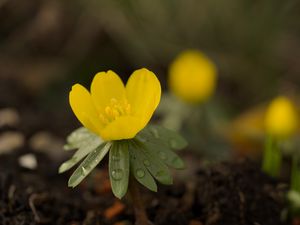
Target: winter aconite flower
{"x": 115, "y": 119}
{"x": 281, "y": 122}
{"x": 281, "y": 118}
{"x": 114, "y": 111}
{"x": 192, "y": 77}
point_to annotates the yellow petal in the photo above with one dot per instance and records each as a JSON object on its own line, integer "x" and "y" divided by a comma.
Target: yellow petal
{"x": 143, "y": 93}
{"x": 125, "y": 127}
{"x": 105, "y": 87}
{"x": 82, "y": 106}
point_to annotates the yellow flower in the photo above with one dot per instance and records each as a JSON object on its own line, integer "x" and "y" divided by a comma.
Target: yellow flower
{"x": 281, "y": 119}
{"x": 112, "y": 110}
{"x": 192, "y": 77}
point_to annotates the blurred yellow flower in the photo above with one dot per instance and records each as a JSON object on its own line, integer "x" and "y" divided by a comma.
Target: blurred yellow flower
{"x": 192, "y": 77}
{"x": 112, "y": 110}
{"x": 281, "y": 119}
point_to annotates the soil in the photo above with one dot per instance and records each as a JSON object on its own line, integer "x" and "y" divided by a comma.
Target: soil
{"x": 226, "y": 193}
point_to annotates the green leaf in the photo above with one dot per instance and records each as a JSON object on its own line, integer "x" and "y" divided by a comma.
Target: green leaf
{"x": 90, "y": 144}
{"x": 81, "y": 137}
{"x": 165, "y": 154}
{"x": 167, "y": 137}
{"x": 119, "y": 168}
{"x": 90, "y": 162}
{"x": 138, "y": 168}
{"x": 155, "y": 166}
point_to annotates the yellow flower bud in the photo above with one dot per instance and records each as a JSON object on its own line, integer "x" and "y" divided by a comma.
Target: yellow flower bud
{"x": 192, "y": 77}
{"x": 281, "y": 119}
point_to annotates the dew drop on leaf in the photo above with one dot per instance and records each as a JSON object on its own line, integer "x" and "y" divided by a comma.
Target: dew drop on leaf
{"x": 140, "y": 173}
{"x": 146, "y": 162}
{"x": 117, "y": 174}
{"x": 83, "y": 170}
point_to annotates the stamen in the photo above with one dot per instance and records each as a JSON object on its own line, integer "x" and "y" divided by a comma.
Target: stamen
{"x": 120, "y": 109}
{"x": 108, "y": 111}
{"x": 114, "y": 110}
{"x": 116, "y": 113}
{"x": 103, "y": 119}
{"x": 128, "y": 109}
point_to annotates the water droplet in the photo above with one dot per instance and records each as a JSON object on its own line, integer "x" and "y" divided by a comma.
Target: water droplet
{"x": 146, "y": 162}
{"x": 173, "y": 143}
{"x": 140, "y": 173}
{"x": 116, "y": 158}
{"x": 117, "y": 174}
{"x": 83, "y": 170}
{"x": 162, "y": 155}
{"x": 155, "y": 133}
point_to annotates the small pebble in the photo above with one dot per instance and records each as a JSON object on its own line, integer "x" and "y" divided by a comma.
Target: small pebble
{"x": 10, "y": 141}
{"x": 28, "y": 161}
{"x": 46, "y": 142}
{"x": 9, "y": 117}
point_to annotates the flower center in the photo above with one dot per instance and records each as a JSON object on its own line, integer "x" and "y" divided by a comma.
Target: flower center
{"x": 114, "y": 110}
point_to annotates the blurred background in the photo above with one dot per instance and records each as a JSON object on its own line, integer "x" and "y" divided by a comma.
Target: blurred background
{"x": 48, "y": 45}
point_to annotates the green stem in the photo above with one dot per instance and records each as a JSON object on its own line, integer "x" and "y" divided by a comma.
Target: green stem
{"x": 272, "y": 159}
{"x": 295, "y": 174}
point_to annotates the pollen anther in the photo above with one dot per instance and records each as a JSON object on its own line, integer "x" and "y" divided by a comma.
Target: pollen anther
{"x": 114, "y": 110}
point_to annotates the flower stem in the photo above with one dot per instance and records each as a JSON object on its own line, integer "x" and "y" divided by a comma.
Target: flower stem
{"x": 141, "y": 217}
{"x": 272, "y": 158}
{"x": 295, "y": 174}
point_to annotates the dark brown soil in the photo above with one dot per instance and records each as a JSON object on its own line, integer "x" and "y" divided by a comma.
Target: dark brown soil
{"x": 238, "y": 193}
{"x": 227, "y": 194}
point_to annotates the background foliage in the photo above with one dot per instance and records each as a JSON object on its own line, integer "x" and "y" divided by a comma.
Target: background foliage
{"x": 45, "y": 46}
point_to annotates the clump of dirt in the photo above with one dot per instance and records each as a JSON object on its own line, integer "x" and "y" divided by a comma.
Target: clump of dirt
{"x": 239, "y": 193}
{"x": 228, "y": 194}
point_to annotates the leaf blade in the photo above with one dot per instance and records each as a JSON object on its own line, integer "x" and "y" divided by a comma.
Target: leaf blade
{"x": 139, "y": 170}
{"x": 167, "y": 137}
{"x": 119, "y": 168}
{"x": 156, "y": 167}
{"x": 168, "y": 156}
{"x": 80, "y": 138}
{"x": 90, "y": 162}
{"x": 90, "y": 144}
